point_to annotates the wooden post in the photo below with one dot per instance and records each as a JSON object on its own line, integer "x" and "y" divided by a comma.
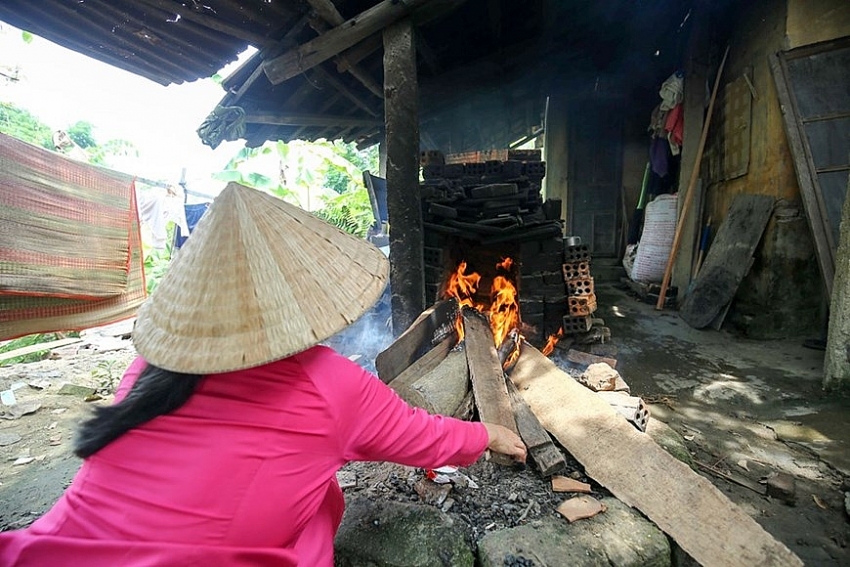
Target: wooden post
{"x": 689, "y": 195}
{"x": 555, "y": 148}
{"x": 694, "y": 109}
{"x": 401, "y": 101}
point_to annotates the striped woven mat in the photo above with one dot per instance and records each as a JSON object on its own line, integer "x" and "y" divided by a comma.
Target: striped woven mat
{"x": 64, "y": 225}
{"x": 24, "y": 315}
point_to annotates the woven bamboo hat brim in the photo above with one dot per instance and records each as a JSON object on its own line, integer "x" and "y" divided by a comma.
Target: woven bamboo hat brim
{"x": 258, "y": 280}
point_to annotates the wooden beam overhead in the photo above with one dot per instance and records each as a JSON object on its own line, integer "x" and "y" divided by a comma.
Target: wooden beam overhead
{"x": 344, "y": 90}
{"x": 294, "y": 119}
{"x": 338, "y": 39}
{"x": 321, "y": 26}
{"x": 359, "y": 52}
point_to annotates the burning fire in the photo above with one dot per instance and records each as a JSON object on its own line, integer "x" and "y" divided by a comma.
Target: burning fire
{"x": 503, "y": 310}
{"x": 552, "y": 341}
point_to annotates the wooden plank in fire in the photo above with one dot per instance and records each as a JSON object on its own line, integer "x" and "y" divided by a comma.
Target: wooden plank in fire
{"x": 688, "y": 507}
{"x": 543, "y": 451}
{"x": 409, "y": 346}
{"x": 488, "y": 378}
{"x": 423, "y": 365}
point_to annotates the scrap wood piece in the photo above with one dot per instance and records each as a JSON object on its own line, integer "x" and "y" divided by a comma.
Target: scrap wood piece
{"x": 488, "y": 379}
{"x": 567, "y": 484}
{"x": 581, "y": 507}
{"x": 755, "y": 487}
{"x": 404, "y": 351}
{"x": 728, "y": 259}
{"x": 685, "y": 505}
{"x": 544, "y": 453}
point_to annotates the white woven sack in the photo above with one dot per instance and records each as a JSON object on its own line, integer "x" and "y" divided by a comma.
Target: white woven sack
{"x": 653, "y": 251}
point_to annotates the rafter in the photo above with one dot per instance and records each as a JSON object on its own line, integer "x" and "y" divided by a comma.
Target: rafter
{"x": 338, "y": 39}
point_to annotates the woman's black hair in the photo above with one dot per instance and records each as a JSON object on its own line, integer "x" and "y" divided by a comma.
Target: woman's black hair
{"x": 156, "y": 392}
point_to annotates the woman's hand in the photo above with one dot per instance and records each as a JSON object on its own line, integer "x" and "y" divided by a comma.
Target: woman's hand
{"x": 505, "y": 441}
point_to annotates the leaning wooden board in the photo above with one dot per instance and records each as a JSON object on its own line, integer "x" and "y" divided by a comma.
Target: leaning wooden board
{"x": 728, "y": 260}
{"x": 685, "y": 505}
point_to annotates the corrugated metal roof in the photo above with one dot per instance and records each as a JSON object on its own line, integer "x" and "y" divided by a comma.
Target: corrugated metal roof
{"x": 163, "y": 40}
{"x": 497, "y": 59}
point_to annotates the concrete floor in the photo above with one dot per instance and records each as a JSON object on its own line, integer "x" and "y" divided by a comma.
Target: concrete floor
{"x": 751, "y": 409}
{"x": 718, "y": 384}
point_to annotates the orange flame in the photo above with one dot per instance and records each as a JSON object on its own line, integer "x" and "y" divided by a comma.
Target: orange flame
{"x": 552, "y": 341}
{"x": 462, "y": 286}
{"x": 503, "y": 309}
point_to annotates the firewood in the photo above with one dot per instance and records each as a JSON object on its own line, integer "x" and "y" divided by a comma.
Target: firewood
{"x": 436, "y": 321}
{"x": 546, "y": 456}
{"x": 488, "y": 379}
{"x": 441, "y": 390}
{"x": 428, "y": 362}
{"x": 466, "y": 408}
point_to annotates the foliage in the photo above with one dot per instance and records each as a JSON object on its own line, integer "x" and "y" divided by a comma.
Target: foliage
{"x": 102, "y": 154}
{"x": 339, "y": 178}
{"x": 81, "y": 133}
{"x": 107, "y": 373}
{"x": 350, "y": 211}
{"x": 30, "y": 340}
{"x": 157, "y": 260}
{"x": 23, "y": 125}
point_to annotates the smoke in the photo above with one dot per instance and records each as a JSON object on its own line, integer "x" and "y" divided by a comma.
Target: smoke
{"x": 367, "y": 337}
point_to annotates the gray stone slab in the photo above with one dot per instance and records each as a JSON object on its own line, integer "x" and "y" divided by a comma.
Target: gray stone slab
{"x": 619, "y": 537}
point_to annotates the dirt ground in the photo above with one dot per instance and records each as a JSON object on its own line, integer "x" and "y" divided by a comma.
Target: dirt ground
{"x": 746, "y": 409}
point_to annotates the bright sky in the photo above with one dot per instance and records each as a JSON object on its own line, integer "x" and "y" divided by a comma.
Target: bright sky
{"x": 60, "y": 87}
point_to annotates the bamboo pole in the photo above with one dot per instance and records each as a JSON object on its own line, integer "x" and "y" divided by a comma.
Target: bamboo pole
{"x": 689, "y": 196}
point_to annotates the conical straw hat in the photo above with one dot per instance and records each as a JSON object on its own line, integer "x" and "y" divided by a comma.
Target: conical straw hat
{"x": 258, "y": 280}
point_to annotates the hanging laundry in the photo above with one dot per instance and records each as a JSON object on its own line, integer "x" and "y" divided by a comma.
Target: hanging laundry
{"x": 158, "y": 207}
{"x": 657, "y": 121}
{"x": 672, "y": 91}
{"x": 658, "y": 158}
{"x": 674, "y": 128}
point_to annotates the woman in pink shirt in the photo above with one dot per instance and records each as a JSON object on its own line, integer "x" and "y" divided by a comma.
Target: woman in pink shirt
{"x": 226, "y": 433}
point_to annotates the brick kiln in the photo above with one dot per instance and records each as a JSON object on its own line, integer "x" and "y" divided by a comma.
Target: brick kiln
{"x": 484, "y": 215}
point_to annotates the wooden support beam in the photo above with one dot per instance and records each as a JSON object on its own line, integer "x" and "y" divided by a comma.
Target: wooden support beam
{"x": 292, "y": 119}
{"x": 340, "y": 87}
{"x": 354, "y": 70}
{"x": 338, "y": 39}
{"x": 359, "y": 52}
{"x": 488, "y": 379}
{"x": 401, "y": 118}
{"x": 686, "y": 506}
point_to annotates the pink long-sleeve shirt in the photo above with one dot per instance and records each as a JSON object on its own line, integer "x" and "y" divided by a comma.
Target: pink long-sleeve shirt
{"x": 242, "y": 474}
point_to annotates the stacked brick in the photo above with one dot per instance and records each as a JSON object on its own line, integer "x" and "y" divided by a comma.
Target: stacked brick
{"x": 482, "y": 212}
{"x": 581, "y": 294}
{"x": 492, "y": 206}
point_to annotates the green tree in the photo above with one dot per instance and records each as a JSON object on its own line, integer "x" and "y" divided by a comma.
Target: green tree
{"x": 23, "y": 125}
{"x": 81, "y": 133}
{"x": 322, "y": 177}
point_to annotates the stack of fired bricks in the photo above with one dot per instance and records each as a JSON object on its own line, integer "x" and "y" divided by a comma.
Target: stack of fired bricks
{"x": 581, "y": 295}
